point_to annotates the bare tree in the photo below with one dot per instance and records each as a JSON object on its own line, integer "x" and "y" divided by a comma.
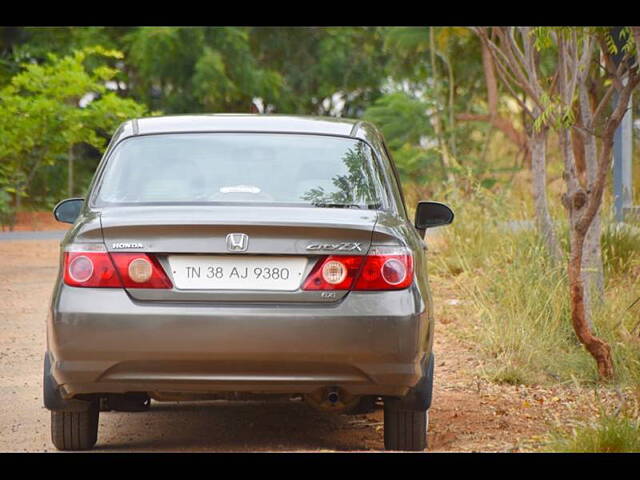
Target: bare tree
{"x": 583, "y": 202}
{"x": 518, "y": 68}
{"x": 494, "y": 117}
{"x": 553, "y": 104}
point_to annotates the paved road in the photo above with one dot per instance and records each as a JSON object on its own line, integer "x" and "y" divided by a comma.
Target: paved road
{"x": 32, "y": 235}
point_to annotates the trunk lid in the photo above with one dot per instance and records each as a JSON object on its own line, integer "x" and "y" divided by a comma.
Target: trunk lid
{"x": 193, "y": 232}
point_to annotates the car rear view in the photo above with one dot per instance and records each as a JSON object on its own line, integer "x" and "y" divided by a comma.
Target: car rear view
{"x": 239, "y": 256}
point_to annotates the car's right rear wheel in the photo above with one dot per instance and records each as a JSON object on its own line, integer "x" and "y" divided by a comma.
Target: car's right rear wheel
{"x": 71, "y": 430}
{"x": 404, "y": 429}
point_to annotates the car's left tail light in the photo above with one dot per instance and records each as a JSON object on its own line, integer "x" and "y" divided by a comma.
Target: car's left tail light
{"x": 386, "y": 268}
{"x": 92, "y": 266}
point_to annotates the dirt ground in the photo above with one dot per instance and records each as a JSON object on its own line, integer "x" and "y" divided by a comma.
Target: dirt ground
{"x": 29, "y": 221}
{"x": 468, "y": 414}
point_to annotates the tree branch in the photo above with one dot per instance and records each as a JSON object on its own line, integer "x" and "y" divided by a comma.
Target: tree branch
{"x": 530, "y": 56}
{"x": 506, "y": 74}
{"x": 603, "y": 103}
{"x": 511, "y": 49}
{"x": 605, "y": 155}
{"x": 490, "y": 78}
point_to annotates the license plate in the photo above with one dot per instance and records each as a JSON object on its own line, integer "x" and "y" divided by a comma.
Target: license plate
{"x": 237, "y": 272}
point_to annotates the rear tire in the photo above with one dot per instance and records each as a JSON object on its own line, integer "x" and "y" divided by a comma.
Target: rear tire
{"x": 404, "y": 429}
{"x": 75, "y": 430}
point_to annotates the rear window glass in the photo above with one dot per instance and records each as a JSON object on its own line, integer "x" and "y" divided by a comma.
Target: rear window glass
{"x": 242, "y": 168}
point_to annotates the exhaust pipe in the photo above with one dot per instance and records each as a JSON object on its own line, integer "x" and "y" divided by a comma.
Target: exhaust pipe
{"x": 332, "y": 399}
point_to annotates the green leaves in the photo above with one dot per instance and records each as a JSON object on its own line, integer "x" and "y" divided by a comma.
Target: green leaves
{"x": 41, "y": 117}
{"x": 195, "y": 69}
{"x": 211, "y": 81}
{"x": 555, "y": 114}
{"x": 405, "y": 123}
{"x": 625, "y": 37}
{"x": 335, "y": 70}
{"x": 402, "y": 118}
{"x": 542, "y": 37}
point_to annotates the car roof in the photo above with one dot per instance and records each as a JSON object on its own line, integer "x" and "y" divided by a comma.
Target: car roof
{"x": 243, "y": 122}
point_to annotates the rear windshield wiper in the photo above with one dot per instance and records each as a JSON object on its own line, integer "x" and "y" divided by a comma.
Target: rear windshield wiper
{"x": 347, "y": 205}
{"x": 337, "y": 205}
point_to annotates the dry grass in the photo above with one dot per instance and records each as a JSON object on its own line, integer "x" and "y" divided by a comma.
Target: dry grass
{"x": 516, "y": 315}
{"x": 617, "y": 432}
{"x": 519, "y": 300}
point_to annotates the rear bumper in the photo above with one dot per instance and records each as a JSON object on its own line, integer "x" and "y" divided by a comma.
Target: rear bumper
{"x": 369, "y": 343}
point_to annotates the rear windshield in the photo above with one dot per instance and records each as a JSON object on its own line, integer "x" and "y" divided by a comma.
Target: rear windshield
{"x": 242, "y": 168}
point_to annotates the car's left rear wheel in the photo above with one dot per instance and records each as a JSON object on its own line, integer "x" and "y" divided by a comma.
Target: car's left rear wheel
{"x": 72, "y": 430}
{"x": 404, "y": 429}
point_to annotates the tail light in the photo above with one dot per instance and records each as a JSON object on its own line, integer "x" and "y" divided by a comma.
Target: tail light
{"x": 386, "y": 268}
{"x": 93, "y": 266}
{"x": 139, "y": 270}
{"x": 383, "y": 268}
{"x": 324, "y": 275}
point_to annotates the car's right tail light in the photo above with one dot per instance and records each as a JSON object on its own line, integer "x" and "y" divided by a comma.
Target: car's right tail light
{"x": 383, "y": 268}
{"x": 91, "y": 265}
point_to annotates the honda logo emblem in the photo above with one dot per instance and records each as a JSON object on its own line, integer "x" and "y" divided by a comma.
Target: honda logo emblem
{"x": 237, "y": 242}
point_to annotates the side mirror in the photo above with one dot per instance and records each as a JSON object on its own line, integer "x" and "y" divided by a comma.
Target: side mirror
{"x": 68, "y": 210}
{"x": 432, "y": 214}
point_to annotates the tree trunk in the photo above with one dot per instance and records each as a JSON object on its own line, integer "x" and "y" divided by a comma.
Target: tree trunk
{"x": 592, "y": 268}
{"x": 490, "y": 79}
{"x": 578, "y": 153}
{"x": 18, "y": 198}
{"x": 576, "y": 201}
{"x": 599, "y": 349}
{"x": 447, "y": 159}
{"x": 70, "y": 172}
{"x": 452, "y": 121}
{"x": 502, "y": 123}
{"x": 544, "y": 223}
{"x": 14, "y": 214}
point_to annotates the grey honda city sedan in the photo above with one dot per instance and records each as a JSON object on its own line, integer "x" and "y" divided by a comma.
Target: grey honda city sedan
{"x": 239, "y": 257}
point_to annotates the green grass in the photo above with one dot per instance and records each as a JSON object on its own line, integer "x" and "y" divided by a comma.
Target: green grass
{"x": 620, "y": 248}
{"x": 607, "y": 434}
{"x": 518, "y": 311}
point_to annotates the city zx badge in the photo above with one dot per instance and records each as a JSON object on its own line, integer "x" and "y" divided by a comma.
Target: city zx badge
{"x": 344, "y": 246}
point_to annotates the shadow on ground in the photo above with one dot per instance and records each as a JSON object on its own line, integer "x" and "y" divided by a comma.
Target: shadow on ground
{"x": 237, "y": 426}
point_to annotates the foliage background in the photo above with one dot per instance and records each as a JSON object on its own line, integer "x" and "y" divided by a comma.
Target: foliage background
{"x": 384, "y": 74}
